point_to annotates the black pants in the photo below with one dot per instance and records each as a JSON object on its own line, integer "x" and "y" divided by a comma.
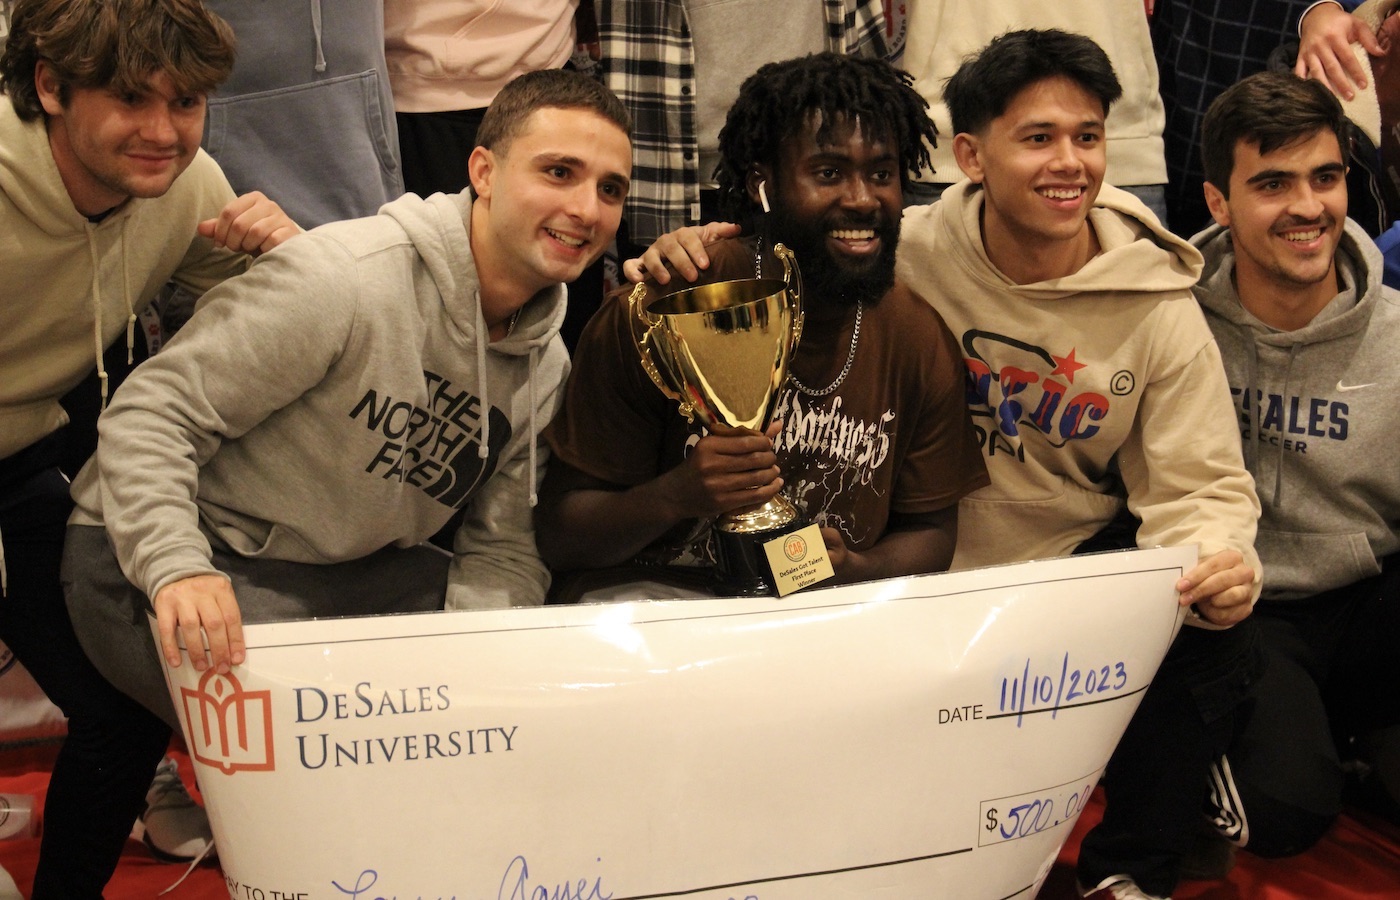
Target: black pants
{"x": 1331, "y": 678}
{"x": 105, "y": 765}
{"x": 1155, "y": 783}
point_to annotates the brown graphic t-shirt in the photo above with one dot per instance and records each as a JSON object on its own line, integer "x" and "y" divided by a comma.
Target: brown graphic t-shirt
{"x": 894, "y": 437}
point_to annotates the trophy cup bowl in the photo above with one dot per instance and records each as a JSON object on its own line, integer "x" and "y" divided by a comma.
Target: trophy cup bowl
{"x": 722, "y": 351}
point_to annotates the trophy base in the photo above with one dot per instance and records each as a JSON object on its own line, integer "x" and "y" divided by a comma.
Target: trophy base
{"x": 741, "y": 565}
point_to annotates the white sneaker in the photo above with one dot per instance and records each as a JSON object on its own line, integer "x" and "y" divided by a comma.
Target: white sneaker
{"x": 174, "y": 827}
{"x": 1117, "y": 887}
{"x": 8, "y": 889}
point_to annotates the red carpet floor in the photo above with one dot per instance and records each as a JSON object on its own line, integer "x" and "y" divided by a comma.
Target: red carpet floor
{"x": 1358, "y": 860}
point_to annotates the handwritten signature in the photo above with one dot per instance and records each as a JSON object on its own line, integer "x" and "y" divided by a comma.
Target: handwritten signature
{"x": 517, "y": 881}
{"x": 515, "y": 885}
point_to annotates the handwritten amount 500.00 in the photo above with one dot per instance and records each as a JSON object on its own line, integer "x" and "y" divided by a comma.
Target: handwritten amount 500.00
{"x": 1033, "y": 813}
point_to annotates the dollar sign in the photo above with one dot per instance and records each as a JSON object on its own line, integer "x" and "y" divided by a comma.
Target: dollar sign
{"x": 991, "y": 819}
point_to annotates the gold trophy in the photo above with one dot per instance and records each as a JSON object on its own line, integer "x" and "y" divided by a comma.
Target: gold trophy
{"x": 722, "y": 352}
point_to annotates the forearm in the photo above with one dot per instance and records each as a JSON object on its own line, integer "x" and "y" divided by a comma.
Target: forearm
{"x": 594, "y": 527}
{"x": 913, "y": 545}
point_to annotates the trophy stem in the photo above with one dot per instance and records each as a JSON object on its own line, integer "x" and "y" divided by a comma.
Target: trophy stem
{"x": 743, "y": 569}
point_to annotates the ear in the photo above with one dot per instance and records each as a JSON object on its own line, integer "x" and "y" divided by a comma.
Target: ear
{"x": 481, "y": 169}
{"x": 967, "y": 150}
{"x": 759, "y": 174}
{"x": 48, "y": 87}
{"x": 1217, "y": 204}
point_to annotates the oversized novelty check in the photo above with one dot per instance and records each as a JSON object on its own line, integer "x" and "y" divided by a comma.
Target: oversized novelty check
{"x": 913, "y": 738}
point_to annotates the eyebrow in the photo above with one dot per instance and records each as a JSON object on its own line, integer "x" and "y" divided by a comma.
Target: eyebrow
{"x": 1050, "y": 126}
{"x": 839, "y": 156}
{"x": 1283, "y": 174}
{"x": 564, "y": 159}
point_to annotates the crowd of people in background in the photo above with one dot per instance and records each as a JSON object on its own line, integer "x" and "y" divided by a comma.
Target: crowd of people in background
{"x": 441, "y": 202}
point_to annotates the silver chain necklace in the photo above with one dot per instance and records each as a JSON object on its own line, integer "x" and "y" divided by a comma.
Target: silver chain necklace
{"x": 845, "y": 370}
{"x": 850, "y": 356}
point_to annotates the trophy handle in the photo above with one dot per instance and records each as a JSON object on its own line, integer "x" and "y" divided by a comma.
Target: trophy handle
{"x": 792, "y": 277}
{"x": 644, "y": 324}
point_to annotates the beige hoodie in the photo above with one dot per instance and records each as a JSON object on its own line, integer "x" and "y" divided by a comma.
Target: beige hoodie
{"x": 1086, "y": 388}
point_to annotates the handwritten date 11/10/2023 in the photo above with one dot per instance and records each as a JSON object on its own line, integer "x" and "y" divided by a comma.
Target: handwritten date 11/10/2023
{"x": 1031, "y": 692}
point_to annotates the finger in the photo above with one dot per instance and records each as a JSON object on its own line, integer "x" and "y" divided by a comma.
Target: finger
{"x": 632, "y": 270}
{"x": 165, "y": 626}
{"x": 233, "y": 630}
{"x": 752, "y": 496}
{"x": 1369, "y": 41}
{"x": 237, "y": 647}
{"x": 217, "y": 635}
{"x": 692, "y": 243}
{"x": 1351, "y": 66}
{"x": 1337, "y": 77}
{"x": 654, "y": 267}
{"x": 194, "y": 641}
{"x": 716, "y": 231}
{"x": 208, "y": 228}
{"x": 1217, "y": 584}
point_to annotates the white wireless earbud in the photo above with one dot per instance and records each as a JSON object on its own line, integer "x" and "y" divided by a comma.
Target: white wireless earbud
{"x": 763, "y": 197}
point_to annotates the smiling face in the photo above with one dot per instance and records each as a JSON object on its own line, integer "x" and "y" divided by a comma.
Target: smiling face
{"x": 1040, "y": 164}
{"x": 837, "y": 204}
{"x": 1285, "y": 212}
{"x": 109, "y": 147}
{"x": 550, "y": 203}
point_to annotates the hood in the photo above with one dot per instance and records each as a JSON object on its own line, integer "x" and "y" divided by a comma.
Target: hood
{"x": 438, "y": 228}
{"x": 1359, "y": 263}
{"x": 29, "y": 177}
{"x": 1138, "y": 255}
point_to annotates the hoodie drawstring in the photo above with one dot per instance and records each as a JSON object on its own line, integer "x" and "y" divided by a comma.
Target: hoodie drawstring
{"x": 316, "y": 29}
{"x": 97, "y": 342}
{"x": 483, "y": 428}
{"x": 1278, "y": 469}
{"x": 97, "y": 315}
{"x": 534, "y": 435}
{"x": 4, "y": 575}
{"x": 130, "y": 313}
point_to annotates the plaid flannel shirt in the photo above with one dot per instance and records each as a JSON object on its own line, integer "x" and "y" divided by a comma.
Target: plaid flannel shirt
{"x": 648, "y": 61}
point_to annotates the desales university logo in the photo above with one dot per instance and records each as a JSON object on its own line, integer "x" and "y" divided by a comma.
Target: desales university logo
{"x": 1033, "y": 387}
{"x": 230, "y": 728}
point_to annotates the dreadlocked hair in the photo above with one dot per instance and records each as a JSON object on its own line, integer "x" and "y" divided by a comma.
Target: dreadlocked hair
{"x": 781, "y": 98}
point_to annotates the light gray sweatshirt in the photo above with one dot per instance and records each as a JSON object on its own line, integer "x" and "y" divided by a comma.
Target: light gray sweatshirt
{"x": 340, "y": 397}
{"x": 1317, "y": 417}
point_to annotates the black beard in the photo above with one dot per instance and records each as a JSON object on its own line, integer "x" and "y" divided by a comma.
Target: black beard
{"x": 822, "y": 275}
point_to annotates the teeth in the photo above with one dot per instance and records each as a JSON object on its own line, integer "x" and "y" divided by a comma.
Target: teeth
{"x": 854, "y": 234}
{"x": 565, "y": 239}
{"x": 1303, "y": 237}
{"x": 1062, "y": 193}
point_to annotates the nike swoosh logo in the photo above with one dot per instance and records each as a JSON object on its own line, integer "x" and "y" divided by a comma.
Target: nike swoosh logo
{"x": 1353, "y": 387}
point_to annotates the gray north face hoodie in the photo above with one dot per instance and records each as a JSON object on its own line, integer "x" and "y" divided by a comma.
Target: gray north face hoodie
{"x": 341, "y": 397}
{"x": 1318, "y": 418}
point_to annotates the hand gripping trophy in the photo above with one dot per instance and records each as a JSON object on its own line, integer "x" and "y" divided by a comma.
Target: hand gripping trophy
{"x": 721, "y": 351}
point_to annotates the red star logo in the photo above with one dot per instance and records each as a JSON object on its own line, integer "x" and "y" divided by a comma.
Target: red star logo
{"x": 1066, "y": 366}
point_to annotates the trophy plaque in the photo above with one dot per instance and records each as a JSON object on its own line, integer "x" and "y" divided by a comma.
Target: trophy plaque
{"x": 722, "y": 351}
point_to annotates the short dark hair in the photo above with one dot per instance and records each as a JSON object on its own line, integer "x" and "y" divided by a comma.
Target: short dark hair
{"x": 781, "y": 98}
{"x": 988, "y": 81}
{"x": 547, "y": 88}
{"x": 1273, "y": 110}
{"x": 113, "y": 44}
